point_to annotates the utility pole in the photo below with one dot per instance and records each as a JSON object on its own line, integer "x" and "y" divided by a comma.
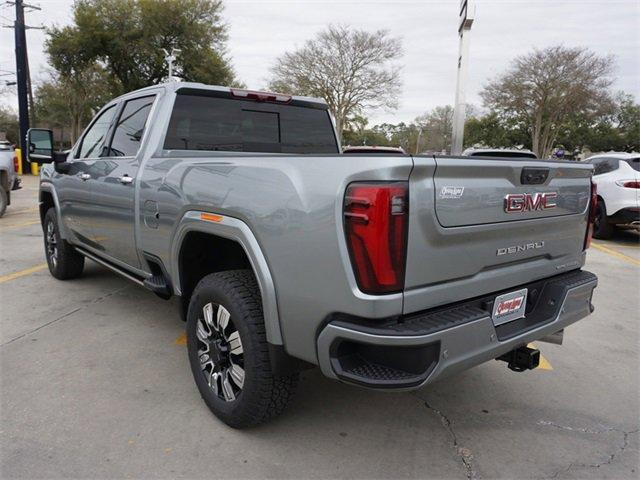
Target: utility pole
{"x": 22, "y": 76}
{"x": 467, "y": 14}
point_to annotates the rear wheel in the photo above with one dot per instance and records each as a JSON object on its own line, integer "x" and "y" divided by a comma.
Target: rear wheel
{"x": 602, "y": 229}
{"x": 63, "y": 260}
{"x": 4, "y": 200}
{"x": 228, "y": 351}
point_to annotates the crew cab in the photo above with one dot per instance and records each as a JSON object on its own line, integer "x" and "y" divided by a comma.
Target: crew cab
{"x": 385, "y": 271}
{"x": 617, "y": 176}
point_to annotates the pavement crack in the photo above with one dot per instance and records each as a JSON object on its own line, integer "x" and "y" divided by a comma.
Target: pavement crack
{"x": 465, "y": 455}
{"x": 63, "y": 316}
{"x": 621, "y": 448}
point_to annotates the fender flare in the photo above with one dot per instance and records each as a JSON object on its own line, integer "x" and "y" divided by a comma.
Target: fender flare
{"x": 49, "y": 188}
{"x": 233, "y": 229}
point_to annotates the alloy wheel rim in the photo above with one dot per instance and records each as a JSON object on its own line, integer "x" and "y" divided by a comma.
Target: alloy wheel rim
{"x": 52, "y": 244}
{"x": 220, "y": 352}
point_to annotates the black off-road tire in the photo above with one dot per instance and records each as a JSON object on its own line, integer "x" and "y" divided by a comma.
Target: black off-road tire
{"x": 264, "y": 394}
{"x": 4, "y": 200}
{"x": 66, "y": 263}
{"x": 602, "y": 229}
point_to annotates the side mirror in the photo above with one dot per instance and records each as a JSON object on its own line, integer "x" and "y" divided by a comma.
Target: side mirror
{"x": 40, "y": 145}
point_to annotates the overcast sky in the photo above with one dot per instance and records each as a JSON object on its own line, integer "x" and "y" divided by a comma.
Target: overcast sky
{"x": 259, "y": 31}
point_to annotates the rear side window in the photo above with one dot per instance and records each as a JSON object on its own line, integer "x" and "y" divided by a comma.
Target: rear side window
{"x": 130, "y": 127}
{"x": 604, "y": 165}
{"x": 634, "y": 162}
{"x": 224, "y": 124}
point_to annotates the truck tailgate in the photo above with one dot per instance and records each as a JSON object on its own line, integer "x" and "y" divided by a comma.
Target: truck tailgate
{"x": 478, "y": 226}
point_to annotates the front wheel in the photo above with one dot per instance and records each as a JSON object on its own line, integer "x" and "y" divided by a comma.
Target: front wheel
{"x": 63, "y": 260}
{"x": 228, "y": 352}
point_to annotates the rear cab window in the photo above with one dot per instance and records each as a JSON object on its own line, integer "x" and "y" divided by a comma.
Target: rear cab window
{"x": 634, "y": 162}
{"x": 604, "y": 165}
{"x": 201, "y": 121}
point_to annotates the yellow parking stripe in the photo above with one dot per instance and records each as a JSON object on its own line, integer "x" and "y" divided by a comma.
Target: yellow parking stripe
{"x": 22, "y": 273}
{"x": 621, "y": 256}
{"x": 13, "y": 213}
{"x": 182, "y": 339}
{"x": 18, "y": 225}
{"x": 544, "y": 363}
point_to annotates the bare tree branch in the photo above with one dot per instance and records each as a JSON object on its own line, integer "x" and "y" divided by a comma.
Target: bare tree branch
{"x": 352, "y": 70}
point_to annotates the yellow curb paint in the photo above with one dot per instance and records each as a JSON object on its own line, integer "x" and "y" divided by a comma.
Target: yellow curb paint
{"x": 544, "y": 363}
{"x": 613, "y": 253}
{"x": 22, "y": 273}
{"x": 182, "y": 339}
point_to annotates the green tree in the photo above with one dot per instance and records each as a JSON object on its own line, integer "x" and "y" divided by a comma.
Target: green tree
{"x": 628, "y": 122}
{"x": 9, "y": 124}
{"x": 70, "y": 101}
{"x": 492, "y": 131}
{"x": 127, "y": 37}
{"x": 541, "y": 90}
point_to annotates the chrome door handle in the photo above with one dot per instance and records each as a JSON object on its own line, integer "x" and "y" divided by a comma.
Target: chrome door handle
{"x": 85, "y": 176}
{"x": 125, "y": 180}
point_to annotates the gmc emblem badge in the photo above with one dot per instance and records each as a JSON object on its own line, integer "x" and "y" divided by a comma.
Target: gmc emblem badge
{"x": 528, "y": 202}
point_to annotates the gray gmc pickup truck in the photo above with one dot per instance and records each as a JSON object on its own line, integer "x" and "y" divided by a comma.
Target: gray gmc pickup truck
{"x": 387, "y": 271}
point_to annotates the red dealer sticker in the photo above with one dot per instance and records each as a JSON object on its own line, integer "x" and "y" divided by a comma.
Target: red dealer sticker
{"x": 509, "y": 307}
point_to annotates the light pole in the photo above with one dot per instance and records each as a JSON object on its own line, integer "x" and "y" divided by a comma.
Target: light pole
{"x": 467, "y": 14}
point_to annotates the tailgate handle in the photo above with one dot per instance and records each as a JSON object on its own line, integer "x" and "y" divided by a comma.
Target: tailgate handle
{"x": 534, "y": 176}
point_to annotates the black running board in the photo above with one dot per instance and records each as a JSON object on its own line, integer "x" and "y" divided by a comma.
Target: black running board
{"x": 156, "y": 283}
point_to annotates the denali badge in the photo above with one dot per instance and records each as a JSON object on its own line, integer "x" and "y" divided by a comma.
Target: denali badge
{"x": 526, "y": 202}
{"x": 520, "y": 248}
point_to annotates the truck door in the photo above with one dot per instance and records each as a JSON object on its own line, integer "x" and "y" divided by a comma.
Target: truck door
{"x": 114, "y": 187}
{"x": 75, "y": 185}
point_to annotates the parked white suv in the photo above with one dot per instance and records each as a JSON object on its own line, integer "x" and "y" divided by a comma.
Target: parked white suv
{"x": 617, "y": 176}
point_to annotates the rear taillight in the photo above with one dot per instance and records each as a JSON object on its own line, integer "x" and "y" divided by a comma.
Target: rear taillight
{"x": 16, "y": 167}
{"x": 593, "y": 205}
{"x": 628, "y": 183}
{"x": 376, "y": 220}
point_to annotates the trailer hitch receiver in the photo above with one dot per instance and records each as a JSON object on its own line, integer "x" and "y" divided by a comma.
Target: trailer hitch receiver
{"x": 521, "y": 359}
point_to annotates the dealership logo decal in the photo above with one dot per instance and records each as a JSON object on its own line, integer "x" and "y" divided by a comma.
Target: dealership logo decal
{"x": 451, "y": 192}
{"x": 528, "y": 202}
{"x": 509, "y": 306}
{"x": 520, "y": 248}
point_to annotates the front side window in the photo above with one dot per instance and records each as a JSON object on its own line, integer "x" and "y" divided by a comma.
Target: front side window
{"x": 225, "y": 124}
{"x": 95, "y": 136}
{"x": 130, "y": 127}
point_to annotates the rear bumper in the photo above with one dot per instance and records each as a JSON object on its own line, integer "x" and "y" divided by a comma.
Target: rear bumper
{"x": 415, "y": 350}
{"x": 626, "y": 216}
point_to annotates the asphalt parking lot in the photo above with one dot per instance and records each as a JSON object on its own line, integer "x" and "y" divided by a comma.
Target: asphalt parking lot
{"x": 95, "y": 383}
